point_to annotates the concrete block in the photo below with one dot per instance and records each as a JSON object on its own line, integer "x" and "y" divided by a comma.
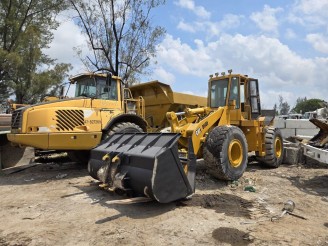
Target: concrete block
{"x": 307, "y": 132}
{"x": 291, "y": 155}
{"x": 288, "y": 132}
{"x": 279, "y": 123}
{"x": 300, "y": 124}
{"x": 291, "y": 144}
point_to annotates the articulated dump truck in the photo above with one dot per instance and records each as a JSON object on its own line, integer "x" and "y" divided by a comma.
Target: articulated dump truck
{"x": 162, "y": 166}
{"x": 100, "y": 108}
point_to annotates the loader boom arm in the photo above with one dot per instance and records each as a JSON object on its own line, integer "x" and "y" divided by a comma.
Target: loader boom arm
{"x": 197, "y": 130}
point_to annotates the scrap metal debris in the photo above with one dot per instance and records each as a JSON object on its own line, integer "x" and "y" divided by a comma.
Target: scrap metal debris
{"x": 288, "y": 208}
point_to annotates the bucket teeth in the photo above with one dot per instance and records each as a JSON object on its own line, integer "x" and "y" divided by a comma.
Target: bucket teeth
{"x": 145, "y": 164}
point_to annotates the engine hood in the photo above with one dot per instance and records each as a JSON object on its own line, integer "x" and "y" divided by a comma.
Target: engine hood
{"x": 70, "y": 102}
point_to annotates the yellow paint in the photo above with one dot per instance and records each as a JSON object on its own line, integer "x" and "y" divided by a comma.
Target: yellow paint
{"x": 160, "y": 99}
{"x": 235, "y": 153}
{"x": 59, "y": 141}
{"x": 78, "y": 123}
{"x": 278, "y": 147}
{"x": 198, "y": 122}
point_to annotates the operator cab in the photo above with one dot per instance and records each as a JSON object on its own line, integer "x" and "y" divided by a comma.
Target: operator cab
{"x": 237, "y": 91}
{"x": 96, "y": 86}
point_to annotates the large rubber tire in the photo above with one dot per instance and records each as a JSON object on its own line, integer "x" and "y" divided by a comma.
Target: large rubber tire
{"x": 274, "y": 147}
{"x": 122, "y": 127}
{"x": 225, "y": 152}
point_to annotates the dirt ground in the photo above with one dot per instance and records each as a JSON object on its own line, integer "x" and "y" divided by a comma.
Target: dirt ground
{"x": 57, "y": 203}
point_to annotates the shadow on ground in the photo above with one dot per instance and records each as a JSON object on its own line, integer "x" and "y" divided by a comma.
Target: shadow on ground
{"x": 42, "y": 170}
{"x": 140, "y": 210}
{"x": 231, "y": 236}
{"x": 314, "y": 186}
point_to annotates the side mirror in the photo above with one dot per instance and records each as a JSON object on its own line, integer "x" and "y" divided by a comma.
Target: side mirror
{"x": 62, "y": 90}
{"x": 109, "y": 79}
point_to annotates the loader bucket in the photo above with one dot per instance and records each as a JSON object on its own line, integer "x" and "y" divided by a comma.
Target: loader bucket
{"x": 144, "y": 164}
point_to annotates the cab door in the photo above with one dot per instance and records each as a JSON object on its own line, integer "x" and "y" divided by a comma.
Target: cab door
{"x": 234, "y": 94}
{"x": 254, "y": 98}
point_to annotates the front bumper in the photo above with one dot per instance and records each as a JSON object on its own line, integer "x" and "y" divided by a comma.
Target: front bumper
{"x": 57, "y": 141}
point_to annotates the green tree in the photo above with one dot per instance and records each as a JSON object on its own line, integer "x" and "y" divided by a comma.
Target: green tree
{"x": 25, "y": 30}
{"x": 275, "y": 109}
{"x": 304, "y": 105}
{"x": 283, "y": 106}
{"x": 120, "y": 35}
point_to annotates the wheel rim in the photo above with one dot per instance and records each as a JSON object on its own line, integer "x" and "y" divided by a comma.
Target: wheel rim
{"x": 235, "y": 153}
{"x": 278, "y": 147}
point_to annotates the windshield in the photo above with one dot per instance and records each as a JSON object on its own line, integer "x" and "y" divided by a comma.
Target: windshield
{"x": 219, "y": 90}
{"x": 96, "y": 88}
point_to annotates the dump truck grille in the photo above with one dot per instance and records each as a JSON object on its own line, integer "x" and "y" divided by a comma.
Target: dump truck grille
{"x": 16, "y": 119}
{"x": 68, "y": 119}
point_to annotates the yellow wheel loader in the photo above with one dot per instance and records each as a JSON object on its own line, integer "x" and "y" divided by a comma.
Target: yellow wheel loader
{"x": 162, "y": 166}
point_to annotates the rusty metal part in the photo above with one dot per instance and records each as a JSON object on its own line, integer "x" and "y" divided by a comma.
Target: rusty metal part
{"x": 321, "y": 139}
{"x": 288, "y": 208}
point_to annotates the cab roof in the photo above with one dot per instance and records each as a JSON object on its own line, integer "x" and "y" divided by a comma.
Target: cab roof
{"x": 77, "y": 77}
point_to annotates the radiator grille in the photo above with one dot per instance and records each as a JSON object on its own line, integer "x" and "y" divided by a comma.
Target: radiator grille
{"x": 16, "y": 119}
{"x": 68, "y": 119}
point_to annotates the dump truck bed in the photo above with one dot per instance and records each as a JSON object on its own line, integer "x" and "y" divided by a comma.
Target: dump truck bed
{"x": 160, "y": 98}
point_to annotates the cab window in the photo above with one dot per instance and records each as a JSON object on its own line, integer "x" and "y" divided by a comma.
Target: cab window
{"x": 96, "y": 88}
{"x": 219, "y": 89}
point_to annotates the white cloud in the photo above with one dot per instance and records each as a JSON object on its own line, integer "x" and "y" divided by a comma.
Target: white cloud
{"x": 311, "y": 13}
{"x": 211, "y": 28}
{"x": 312, "y": 6}
{"x": 318, "y": 41}
{"x": 186, "y": 27}
{"x": 266, "y": 20}
{"x": 230, "y": 21}
{"x": 66, "y": 37}
{"x": 181, "y": 57}
{"x": 280, "y": 70}
{"x": 290, "y": 34}
{"x": 267, "y": 97}
{"x": 162, "y": 75}
{"x": 197, "y": 10}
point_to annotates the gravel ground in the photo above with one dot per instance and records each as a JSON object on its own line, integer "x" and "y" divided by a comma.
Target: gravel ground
{"x": 57, "y": 203}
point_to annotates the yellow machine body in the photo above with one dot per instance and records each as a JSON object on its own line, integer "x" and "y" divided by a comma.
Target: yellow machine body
{"x": 238, "y": 104}
{"x": 77, "y": 123}
{"x": 162, "y": 166}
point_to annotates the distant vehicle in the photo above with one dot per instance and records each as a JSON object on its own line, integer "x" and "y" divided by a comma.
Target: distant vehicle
{"x": 290, "y": 116}
{"x": 310, "y": 115}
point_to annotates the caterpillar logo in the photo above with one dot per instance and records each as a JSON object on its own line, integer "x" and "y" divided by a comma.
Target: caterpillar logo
{"x": 198, "y": 131}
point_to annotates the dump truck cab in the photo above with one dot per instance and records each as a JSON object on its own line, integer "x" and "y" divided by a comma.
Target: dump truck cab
{"x": 100, "y": 87}
{"x": 78, "y": 123}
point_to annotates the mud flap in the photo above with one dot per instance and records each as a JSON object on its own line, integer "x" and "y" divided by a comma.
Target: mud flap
{"x": 144, "y": 164}
{"x": 11, "y": 156}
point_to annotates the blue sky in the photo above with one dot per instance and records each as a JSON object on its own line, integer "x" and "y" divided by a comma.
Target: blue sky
{"x": 282, "y": 43}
